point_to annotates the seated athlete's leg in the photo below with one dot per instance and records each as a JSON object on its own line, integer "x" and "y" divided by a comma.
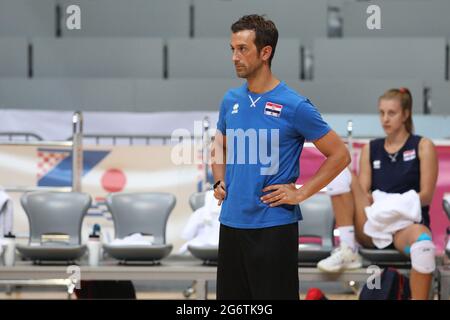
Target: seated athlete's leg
{"x": 415, "y": 241}
{"x": 346, "y": 255}
{"x": 343, "y": 208}
{"x": 271, "y": 256}
{"x": 360, "y": 202}
{"x": 232, "y": 282}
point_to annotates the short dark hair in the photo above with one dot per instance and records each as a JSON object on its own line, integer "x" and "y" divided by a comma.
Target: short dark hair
{"x": 265, "y": 30}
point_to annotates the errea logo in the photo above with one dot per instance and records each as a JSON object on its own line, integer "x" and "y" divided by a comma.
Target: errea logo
{"x": 235, "y": 108}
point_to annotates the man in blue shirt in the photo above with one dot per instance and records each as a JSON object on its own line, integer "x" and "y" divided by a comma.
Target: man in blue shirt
{"x": 255, "y": 160}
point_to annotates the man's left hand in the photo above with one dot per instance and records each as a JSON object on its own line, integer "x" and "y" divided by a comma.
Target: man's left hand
{"x": 281, "y": 194}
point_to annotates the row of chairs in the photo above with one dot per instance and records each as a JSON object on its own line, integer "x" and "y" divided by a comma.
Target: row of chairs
{"x": 53, "y": 214}
{"x": 334, "y": 96}
{"x": 147, "y": 213}
{"x": 212, "y": 18}
{"x": 160, "y": 18}
{"x": 318, "y": 222}
{"x": 184, "y": 58}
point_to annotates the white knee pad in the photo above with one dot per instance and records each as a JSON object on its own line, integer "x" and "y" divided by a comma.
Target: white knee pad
{"x": 340, "y": 184}
{"x": 422, "y": 256}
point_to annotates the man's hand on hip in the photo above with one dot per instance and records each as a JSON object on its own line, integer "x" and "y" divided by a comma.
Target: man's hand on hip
{"x": 281, "y": 194}
{"x": 220, "y": 193}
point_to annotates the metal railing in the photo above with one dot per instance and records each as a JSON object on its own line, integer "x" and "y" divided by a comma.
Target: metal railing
{"x": 14, "y": 136}
{"x": 70, "y": 284}
{"x": 77, "y": 154}
{"x": 133, "y": 139}
{"x": 206, "y": 150}
{"x": 77, "y": 139}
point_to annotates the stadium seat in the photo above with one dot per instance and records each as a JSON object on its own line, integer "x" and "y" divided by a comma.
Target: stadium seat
{"x": 145, "y": 213}
{"x": 13, "y": 57}
{"x": 55, "y": 220}
{"x": 318, "y": 221}
{"x": 27, "y": 18}
{"x": 98, "y": 57}
{"x": 380, "y": 58}
{"x": 131, "y": 18}
{"x": 301, "y": 19}
{"x": 419, "y": 19}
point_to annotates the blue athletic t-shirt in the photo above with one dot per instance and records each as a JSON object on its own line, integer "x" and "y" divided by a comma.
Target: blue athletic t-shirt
{"x": 265, "y": 135}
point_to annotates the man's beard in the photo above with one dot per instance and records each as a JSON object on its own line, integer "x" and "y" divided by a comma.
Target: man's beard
{"x": 241, "y": 72}
{"x": 246, "y": 72}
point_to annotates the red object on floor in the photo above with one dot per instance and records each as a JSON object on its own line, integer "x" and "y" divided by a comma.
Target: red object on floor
{"x": 315, "y": 294}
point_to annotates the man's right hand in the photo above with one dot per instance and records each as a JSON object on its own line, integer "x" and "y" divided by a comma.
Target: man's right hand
{"x": 220, "y": 193}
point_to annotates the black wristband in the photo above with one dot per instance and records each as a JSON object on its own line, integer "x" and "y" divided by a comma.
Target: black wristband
{"x": 216, "y": 185}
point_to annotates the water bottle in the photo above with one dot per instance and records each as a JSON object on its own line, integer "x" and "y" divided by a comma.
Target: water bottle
{"x": 9, "y": 256}
{"x": 94, "y": 246}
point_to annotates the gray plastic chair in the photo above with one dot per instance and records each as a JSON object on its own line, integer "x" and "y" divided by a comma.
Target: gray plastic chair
{"x": 385, "y": 257}
{"x": 208, "y": 254}
{"x": 197, "y": 200}
{"x": 318, "y": 221}
{"x": 54, "y": 213}
{"x": 145, "y": 213}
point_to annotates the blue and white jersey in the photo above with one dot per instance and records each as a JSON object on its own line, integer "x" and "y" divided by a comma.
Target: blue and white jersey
{"x": 265, "y": 135}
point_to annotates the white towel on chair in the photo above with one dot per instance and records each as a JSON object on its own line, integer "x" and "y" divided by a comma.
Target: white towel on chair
{"x": 135, "y": 239}
{"x": 390, "y": 213}
{"x": 202, "y": 228}
{"x": 6, "y": 214}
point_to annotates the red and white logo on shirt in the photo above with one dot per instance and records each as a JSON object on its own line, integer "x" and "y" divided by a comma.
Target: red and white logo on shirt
{"x": 409, "y": 155}
{"x": 273, "y": 109}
